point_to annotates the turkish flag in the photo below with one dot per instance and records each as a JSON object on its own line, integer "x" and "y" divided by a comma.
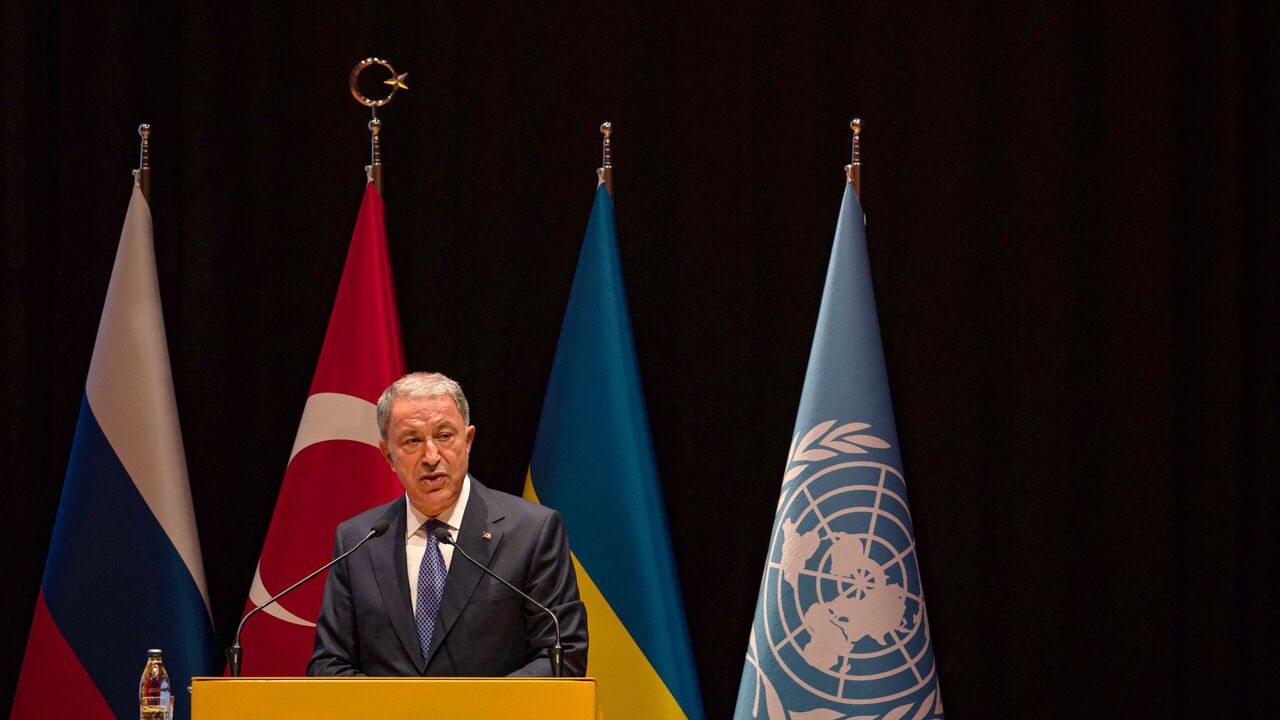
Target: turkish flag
{"x": 335, "y": 470}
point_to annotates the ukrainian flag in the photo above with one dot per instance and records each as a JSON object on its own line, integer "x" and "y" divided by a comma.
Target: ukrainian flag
{"x": 593, "y": 461}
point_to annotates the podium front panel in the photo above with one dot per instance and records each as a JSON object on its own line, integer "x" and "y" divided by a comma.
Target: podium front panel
{"x": 215, "y": 698}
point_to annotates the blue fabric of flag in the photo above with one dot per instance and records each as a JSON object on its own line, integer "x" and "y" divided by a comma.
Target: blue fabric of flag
{"x": 114, "y": 583}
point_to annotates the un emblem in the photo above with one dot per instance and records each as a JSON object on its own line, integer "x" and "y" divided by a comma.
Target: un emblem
{"x": 844, "y": 623}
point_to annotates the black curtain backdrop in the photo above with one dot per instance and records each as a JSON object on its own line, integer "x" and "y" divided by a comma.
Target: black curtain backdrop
{"x": 1073, "y": 225}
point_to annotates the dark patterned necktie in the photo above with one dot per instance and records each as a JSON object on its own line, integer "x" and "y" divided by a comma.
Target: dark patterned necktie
{"x": 431, "y": 575}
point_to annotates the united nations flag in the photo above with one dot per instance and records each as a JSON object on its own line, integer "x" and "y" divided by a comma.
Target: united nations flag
{"x": 840, "y": 628}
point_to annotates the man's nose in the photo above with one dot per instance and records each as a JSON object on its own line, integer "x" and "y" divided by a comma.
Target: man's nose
{"x": 430, "y": 454}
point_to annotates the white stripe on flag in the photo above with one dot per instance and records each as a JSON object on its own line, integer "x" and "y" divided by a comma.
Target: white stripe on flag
{"x": 130, "y": 388}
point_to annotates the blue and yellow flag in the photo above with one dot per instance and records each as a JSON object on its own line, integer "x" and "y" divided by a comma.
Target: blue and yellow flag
{"x": 840, "y": 627}
{"x": 593, "y": 461}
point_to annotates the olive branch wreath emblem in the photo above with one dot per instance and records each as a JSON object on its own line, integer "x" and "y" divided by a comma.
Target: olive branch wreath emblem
{"x": 844, "y": 440}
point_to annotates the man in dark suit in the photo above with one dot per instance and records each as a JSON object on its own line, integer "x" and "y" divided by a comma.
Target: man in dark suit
{"x": 405, "y": 604}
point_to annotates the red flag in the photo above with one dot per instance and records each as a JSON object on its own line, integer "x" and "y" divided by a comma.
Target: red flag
{"x": 335, "y": 469}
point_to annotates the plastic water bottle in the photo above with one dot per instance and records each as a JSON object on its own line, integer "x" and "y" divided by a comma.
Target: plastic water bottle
{"x": 154, "y": 700}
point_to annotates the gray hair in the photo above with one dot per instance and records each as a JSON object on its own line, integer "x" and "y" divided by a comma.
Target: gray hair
{"x": 419, "y": 385}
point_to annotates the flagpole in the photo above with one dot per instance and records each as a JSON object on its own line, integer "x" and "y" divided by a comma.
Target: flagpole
{"x": 143, "y": 173}
{"x": 605, "y": 172}
{"x": 853, "y": 171}
{"x": 373, "y": 171}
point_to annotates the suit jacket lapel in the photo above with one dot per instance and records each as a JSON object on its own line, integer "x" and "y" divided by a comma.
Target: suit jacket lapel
{"x": 393, "y": 582}
{"x": 463, "y": 575}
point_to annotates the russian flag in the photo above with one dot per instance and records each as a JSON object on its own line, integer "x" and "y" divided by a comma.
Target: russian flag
{"x": 124, "y": 572}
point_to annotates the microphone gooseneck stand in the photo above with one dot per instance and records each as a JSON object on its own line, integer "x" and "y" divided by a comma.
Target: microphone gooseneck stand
{"x": 554, "y": 654}
{"x": 235, "y": 653}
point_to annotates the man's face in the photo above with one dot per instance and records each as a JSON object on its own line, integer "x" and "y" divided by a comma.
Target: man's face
{"x": 428, "y": 448}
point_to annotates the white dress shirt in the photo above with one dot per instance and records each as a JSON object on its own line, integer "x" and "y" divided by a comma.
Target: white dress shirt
{"x": 415, "y": 537}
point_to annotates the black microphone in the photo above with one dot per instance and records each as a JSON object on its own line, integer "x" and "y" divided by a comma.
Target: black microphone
{"x": 555, "y": 654}
{"x": 235, "y": 652}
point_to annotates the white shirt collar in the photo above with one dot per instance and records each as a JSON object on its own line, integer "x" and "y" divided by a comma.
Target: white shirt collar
{"x": 451, "y": 516}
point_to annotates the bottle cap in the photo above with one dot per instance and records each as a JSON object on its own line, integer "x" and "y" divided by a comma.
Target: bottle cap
{"x": 154, "y": 652}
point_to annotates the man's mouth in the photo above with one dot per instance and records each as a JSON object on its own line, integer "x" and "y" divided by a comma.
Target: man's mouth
{"x": 434, "y": 478}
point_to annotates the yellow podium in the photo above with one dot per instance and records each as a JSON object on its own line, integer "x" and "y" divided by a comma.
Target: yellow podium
{"x": 215, "y": 698}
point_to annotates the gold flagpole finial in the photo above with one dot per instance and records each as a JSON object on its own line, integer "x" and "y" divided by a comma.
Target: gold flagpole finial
{"x": 143, "y": 173}
{"x": 604, "y": 173}
{"x": 853, "y": 171}
{"x": 373, "y": 171}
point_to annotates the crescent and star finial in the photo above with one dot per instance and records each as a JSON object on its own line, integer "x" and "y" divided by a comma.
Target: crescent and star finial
{"x": 373, "y": 171}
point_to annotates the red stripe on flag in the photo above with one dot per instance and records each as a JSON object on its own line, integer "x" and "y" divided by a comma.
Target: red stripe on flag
{"x": 53, "y": 683}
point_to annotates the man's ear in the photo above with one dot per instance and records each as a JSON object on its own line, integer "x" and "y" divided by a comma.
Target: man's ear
{"x": 386, "y": 452}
